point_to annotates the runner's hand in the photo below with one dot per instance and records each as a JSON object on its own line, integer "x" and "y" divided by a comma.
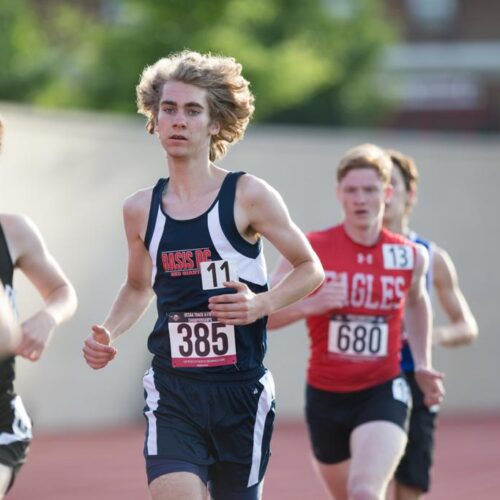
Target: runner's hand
{"x": 36, "y": 333}
{"x": 240, "y": 308}
{"x": 431, "y": 384}
{"x": 97, "y": 349}
{"x": 332, "y": 294}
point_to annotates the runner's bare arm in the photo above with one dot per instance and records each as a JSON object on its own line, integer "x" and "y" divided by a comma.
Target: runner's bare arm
{"x": 260, "y": 210}
{"x": 462, "y": 328}
{"x": 418, "y": 313}
{"x": 418, "y": 318}
{"x": 40, "y": 267}
{"x": 332, "y": 294}
{"x": 135, "y": 294}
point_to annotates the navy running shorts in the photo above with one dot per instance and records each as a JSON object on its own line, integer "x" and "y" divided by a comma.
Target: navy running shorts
{"x": 220, "y": 430}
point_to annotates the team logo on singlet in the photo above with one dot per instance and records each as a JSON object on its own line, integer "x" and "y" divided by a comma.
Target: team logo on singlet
{"x": 372, "y": 291}
{"x": 184, "y": 262}
{"x": 364, "y": 258}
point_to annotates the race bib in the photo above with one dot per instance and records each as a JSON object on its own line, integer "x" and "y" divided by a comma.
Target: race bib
{"x": 215, "y": 272}
{"x": 199, "y": 341}
{"x": 363, "y": 336}
{"x": 397, "y": 256}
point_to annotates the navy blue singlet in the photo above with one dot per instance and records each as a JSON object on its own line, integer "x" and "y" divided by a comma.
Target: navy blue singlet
{"x": 7, "y": 371}
{"x": 191, "y": 258}
{"x": 6, "y": 275}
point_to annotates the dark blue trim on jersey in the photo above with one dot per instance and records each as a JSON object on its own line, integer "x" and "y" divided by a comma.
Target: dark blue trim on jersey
{"x": 153, "y": 210}
{"x": 202, "y": 215}
{"x": 226, "y": 217}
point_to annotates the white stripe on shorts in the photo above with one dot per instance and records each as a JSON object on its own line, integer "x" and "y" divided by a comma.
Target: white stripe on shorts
{"x": 265, "y": 402}
{"x": 152, "y": 398}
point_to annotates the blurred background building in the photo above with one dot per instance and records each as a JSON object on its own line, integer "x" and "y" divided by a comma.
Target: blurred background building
{"x": 444, "y": 72}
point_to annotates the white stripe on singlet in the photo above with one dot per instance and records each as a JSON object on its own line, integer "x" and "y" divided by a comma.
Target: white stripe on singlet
{"x": 152, "y": 398}
{"x": 155, "y": 241}
{"x": 265, "y": 402}
{"x": 253, "y": 270}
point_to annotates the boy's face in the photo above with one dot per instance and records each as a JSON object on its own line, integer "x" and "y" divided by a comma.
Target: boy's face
{"x": 183, "y": 124}
{"x": 363, "y": 195}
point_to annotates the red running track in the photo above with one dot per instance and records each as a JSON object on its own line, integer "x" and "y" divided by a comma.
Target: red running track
{"x": 108, "y": 465}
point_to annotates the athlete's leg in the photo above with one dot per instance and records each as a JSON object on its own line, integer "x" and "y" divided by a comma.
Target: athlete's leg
{"x": 178, "y": 486}
{"x": 5, "y": 479}
{"x": 376, "y": 448}
{"x": 412, "y": 477}
{"x": 334, "y": 477}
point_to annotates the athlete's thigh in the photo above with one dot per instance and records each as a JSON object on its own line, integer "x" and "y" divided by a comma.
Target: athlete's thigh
{"x": 376, "y": 448}
{"x": 178, "y": 486}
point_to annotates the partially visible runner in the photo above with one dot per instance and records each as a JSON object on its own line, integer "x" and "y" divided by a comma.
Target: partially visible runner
{"x": 413, "y": 473}
{"x": 195, "y": 241}
{"x": 10, "y": 333}
{"x": 22, "y": 247}
{"x": 357, "y": 402}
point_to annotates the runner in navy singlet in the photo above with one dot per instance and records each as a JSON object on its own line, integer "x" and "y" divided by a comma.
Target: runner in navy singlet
{"x": 10, "y": 333}
{"x": 195, "y": 242}
{"x": 413, "y": 473}
{"x": 22, "y": 247}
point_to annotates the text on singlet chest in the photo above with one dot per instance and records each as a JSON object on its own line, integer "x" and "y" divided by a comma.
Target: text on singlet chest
{"x": 369, "y": 291}
{"x": 184, "y": 262}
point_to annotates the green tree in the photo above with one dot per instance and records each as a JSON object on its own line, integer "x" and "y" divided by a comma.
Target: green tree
{"x": 305, "y": 59}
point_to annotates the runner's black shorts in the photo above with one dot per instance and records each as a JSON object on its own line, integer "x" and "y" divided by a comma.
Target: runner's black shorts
{"x": 332, "y": 416}
{"x": 15, "y": 435}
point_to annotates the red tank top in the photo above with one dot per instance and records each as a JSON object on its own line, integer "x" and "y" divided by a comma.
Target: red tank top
{"x": 359, "y": 345}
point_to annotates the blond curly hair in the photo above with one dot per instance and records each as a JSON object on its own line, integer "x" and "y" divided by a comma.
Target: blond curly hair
{"x": 230, "y": 101}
